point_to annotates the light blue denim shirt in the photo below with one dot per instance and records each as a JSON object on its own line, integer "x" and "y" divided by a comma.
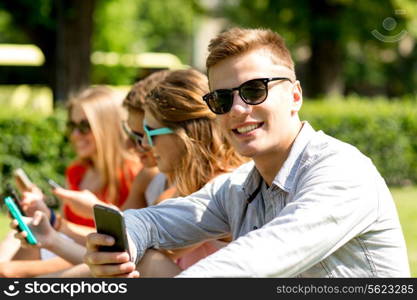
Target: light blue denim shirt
{"x": 328, "y": 213}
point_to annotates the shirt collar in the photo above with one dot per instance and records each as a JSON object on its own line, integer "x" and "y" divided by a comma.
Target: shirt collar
{"x": 286, "y": 175}
{"x": 252, "y": 181}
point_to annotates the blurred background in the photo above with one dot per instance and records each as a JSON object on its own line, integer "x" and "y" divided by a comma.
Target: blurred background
{"x": 356, "y": 60}
{"x": 340, "y": 47}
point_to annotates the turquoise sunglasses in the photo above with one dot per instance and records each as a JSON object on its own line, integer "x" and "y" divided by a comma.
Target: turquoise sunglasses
{"x": 150, "y": 132}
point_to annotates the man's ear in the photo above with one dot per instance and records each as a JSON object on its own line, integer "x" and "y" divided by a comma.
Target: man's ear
{"x": 297, "y": 97}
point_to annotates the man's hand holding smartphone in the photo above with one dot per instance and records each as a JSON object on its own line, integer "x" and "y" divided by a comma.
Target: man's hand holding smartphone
{"x": 22, "y": 180}
{"x": 110, "y": 252}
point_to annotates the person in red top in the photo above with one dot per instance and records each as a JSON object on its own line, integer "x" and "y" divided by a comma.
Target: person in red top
{"x": 146, "y": 187}
{"x": 105, "y": 168}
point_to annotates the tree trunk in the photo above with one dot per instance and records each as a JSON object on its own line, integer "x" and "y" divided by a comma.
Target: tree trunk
{"x": 64, "y": 36}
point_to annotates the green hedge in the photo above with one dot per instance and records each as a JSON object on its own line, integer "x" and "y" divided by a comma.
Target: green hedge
{"x": 36, "y": 143}
{"x": 384, "y": 131}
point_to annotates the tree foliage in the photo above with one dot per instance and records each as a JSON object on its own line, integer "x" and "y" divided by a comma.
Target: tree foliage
{"x": 133, "y": 26}
{"x": 62, "y": 30}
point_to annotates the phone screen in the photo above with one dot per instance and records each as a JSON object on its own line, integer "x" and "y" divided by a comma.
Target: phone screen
{"x": 110, "y": 221}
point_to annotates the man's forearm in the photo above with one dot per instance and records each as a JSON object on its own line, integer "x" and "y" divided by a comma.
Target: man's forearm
{"x": 32, "y": 268}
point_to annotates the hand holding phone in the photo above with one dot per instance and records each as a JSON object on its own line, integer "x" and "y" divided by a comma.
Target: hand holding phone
{"x": 17, "y": 215}
{"x": 11, "y": 192}
{"x": 110, "y": 221}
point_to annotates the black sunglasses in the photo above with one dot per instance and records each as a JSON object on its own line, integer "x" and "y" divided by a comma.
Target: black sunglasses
{"x": 83, "y": 126}
{"x": 252, "y": 92}
{"x": 135, "y": 137}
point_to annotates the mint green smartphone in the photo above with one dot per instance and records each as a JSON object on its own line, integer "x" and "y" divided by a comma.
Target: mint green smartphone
{"x": 16, "y": 214}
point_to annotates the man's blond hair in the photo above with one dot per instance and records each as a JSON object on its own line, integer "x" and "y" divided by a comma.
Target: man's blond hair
{"x": 237, "y": 41}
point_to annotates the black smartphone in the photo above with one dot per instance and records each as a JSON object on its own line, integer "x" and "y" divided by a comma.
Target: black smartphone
{"x": 53, "y": 184}
{"x": 110, "y": 221}
{"x": 17, "y": 215}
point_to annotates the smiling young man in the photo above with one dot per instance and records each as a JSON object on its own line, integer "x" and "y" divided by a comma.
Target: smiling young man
{"x": 307, "y": 205}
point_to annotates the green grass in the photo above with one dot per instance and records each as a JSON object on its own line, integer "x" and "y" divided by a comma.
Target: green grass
{"x": 405, "y": 199}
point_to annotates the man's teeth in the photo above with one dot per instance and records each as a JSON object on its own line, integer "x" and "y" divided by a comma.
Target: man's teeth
{"x": 246, "y": 129}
